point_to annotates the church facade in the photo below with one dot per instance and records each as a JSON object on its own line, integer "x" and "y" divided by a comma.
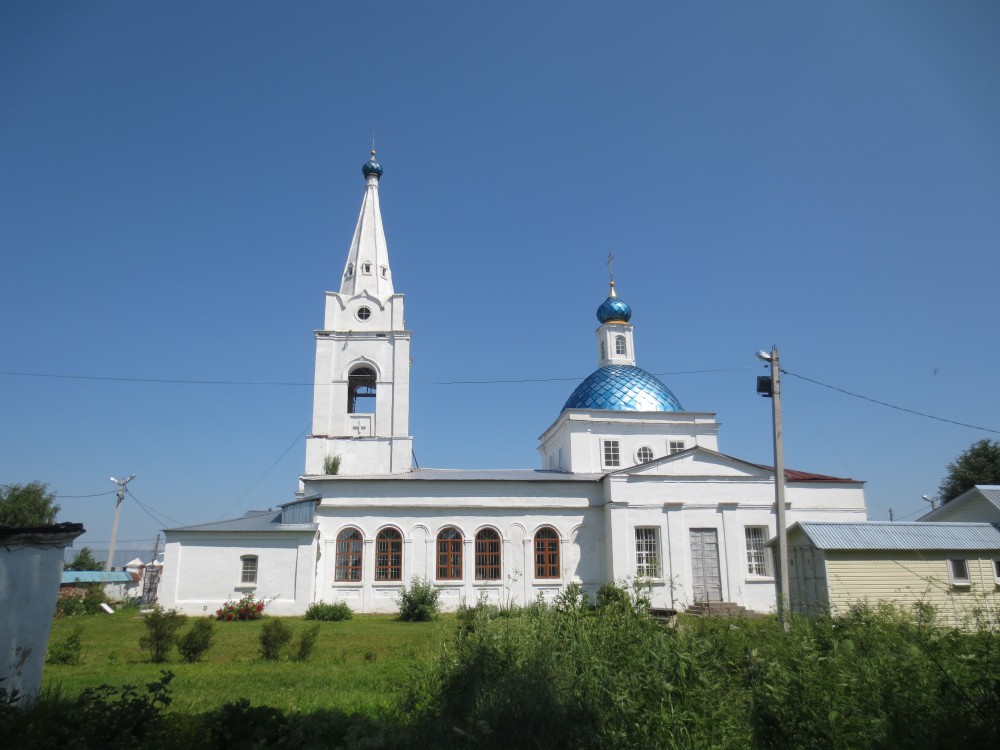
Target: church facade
{"x": 630, "y": 486}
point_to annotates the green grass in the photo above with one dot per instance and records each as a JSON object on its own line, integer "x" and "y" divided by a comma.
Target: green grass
{"x": 358, "y": 665}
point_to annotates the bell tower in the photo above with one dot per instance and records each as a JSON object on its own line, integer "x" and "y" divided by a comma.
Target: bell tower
{"x": 361, "y": 397}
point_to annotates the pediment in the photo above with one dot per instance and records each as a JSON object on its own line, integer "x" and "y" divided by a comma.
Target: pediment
{"x": 698, "y": 462}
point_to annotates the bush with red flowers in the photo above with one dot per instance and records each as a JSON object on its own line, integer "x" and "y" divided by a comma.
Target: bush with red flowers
{"x": 247, "y": 608}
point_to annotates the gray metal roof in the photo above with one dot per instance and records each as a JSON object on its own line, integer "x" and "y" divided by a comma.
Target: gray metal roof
{"x": 253, "y": 520}
{"x": 991, "y": 492}
{"x": 466, "y": 475}
{"x": 889, "y": 535}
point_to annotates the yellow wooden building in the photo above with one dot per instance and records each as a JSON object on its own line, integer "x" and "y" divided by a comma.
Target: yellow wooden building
{"x": 953, "y": 566}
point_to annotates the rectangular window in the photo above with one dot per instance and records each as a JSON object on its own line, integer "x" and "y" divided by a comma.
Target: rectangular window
{"x": 249, "y": 573}
{"x": 676, "y": 446}
{"x": 647, "y": 552}
{"x": 958, "y": 569}
{"x": 757, "y": 557}
{"x": 996, "y": 570}
{"x": 612, "y": 456}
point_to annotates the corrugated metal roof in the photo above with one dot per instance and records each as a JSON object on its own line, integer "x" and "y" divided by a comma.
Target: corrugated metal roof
{"x": 889, "y": 535}
{"x": 991, "y": 492}
{"x": 95, "y": 576}
{"x": 467, "y": 475}
{"x": 254, "y": 520}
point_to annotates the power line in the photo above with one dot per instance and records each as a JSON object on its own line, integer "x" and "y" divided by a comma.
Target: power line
{"x": 140, "y": 503}
{"x": 267, "y": 471}
{"x": 181, "y": 381}
{"x": 891, "y": 406}
{"x": 96, "y": 494}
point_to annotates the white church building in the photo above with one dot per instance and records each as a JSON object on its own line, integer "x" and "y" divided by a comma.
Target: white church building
{"x": 630, "y": 486}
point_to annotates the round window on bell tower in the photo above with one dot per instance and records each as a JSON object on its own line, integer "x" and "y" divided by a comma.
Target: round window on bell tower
{"x": 364, "y": 313}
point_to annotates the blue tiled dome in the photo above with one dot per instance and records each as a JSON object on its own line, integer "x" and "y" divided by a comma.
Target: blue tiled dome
{"x": 614, "y": 309}
{"x": 623, "y": 388}
{"x": 372, "y": 167}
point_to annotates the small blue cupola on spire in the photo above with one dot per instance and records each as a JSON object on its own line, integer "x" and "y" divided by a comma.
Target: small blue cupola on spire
{"x": 613, "y": 310}
{"x": 372, "y": 167}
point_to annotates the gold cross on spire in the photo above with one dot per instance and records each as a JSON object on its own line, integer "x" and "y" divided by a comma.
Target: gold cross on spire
{"x": 611, "y": 272}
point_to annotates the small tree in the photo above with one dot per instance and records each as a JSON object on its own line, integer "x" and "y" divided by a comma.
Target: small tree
{"x": 274, "y": 636}
{"x": 84, "y": 560}
{"x": 194, "y": 643}
{"x": 161, "y": 633}
{"x": 27, "y": 505}
{"x": 978, "y": 464}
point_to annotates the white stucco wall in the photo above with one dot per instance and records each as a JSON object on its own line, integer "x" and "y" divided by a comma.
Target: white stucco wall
{"x": 202, "y": 570}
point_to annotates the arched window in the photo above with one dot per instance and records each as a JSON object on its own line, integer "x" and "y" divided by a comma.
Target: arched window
{"x": 604, "y": 349}
{"x": 487, "y": 555}
{"x": 546, "y": 553}
{"x": 389, "y": 555}
{"x": 361, "y": 391}
{"x": 350, "y": 270}
{"x": 449, "y": 554}
{"x": 248, "y": 572}
{"x": 620, "y": 345}
{"x": 350, "y": 548}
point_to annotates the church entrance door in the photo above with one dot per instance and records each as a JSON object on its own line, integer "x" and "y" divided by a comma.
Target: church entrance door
{"x": 705, "y": 565}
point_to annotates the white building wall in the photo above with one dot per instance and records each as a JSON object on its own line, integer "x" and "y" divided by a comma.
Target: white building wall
{"x": 204, "y": 570}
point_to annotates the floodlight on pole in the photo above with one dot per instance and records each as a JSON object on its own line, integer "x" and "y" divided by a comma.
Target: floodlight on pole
{"x": 118, "y": 509}
{"x": 770, "y": 387}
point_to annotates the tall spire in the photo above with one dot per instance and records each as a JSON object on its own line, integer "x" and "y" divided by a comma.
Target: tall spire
{"x": 367, "y": 268}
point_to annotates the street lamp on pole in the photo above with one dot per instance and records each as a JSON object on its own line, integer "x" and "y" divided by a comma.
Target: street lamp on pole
{"x": 770, "y": 387}
{"x": 118, "y": 509}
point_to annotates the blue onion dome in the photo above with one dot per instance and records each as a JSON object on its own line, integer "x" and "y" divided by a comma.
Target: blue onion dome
{"x": 623, "y": 388}
{"x": 613, "y": 310}
{"x": 372, "y": 167}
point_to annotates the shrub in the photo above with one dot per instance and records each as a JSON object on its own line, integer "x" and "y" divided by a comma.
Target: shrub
{"x": 247, "y": 608}
{"x": 419, "y": 602}
{"x": 81, "y": 600}
{"x": 331, "y": 464}
{"x": 274, "y": 636}
{"x": 572, "y": 599}
{"x": 306, "y": 643}
{"x": 194, "y": 643}
{"x": 335, "y": 612}
{"x": 161, "y": 632}
{"x": 67, "y": 651}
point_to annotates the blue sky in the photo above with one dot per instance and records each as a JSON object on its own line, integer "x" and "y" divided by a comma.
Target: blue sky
{"x": 179, "y": 183}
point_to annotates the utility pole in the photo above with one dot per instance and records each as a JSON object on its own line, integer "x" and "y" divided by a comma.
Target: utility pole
{"x": 118, "y": 509}
{"x": 770, "y": 387}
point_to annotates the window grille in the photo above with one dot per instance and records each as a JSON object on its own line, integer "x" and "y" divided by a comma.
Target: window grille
{"x": 612, "y": 456}
{"x": 757, "y": 558}
{"x": 487, "y": 555}
{"x": 389, "y": 555}
{"x": 676, "y": 446}
{"x": 620, "y": 345}
{"x": 547, "y": 553}
{"x": 249, "y": 571}
{"x": 644, "y": 454}
{"x": 449, "y": 554}
{"x": 350, "y": 548}
{"x": 647, "y": 552}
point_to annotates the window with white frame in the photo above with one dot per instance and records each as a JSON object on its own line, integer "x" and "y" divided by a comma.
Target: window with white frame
{"x": 758, "y": 561}
{"x": 248, "y": 574}
{"x": 612, "y": 454}
{"x": 620, "y": 346}
{"x": 676, "y": 446}
{"x": 647, "y": 552}
{"x": 958, "y": 571}
{"x": 644, "y": 454}
{"x": 996, "y": 570}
